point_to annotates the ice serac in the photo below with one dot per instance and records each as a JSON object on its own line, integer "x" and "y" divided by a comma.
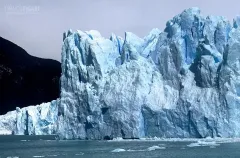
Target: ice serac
{"x": 182, "y": 82}
{"x": 33, "y": 120}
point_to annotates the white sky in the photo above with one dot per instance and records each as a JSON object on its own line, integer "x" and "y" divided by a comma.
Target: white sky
{"x": 38, "y": 25}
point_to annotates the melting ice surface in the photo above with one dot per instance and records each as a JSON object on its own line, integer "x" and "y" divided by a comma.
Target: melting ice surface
{"x": 182, "y": 82}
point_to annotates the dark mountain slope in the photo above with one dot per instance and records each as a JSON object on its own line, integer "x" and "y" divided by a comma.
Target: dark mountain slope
{"x": 24, "y": 79}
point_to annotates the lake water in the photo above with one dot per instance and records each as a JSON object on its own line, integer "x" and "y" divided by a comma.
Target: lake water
{"x": 45, "y": 146}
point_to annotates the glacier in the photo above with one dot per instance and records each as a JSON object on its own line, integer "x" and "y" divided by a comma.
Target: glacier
{"x": 32, "y": 120}
{"x": 183, "y": 82}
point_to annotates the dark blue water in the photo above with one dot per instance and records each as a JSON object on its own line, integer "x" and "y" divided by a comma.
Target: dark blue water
{"x": 35, "y": 146}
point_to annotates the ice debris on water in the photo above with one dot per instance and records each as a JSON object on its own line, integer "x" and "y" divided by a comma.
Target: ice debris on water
{"x": 118, "y": 150}
{"x": 155, "y": 148}
{"x": 203, "y": 143}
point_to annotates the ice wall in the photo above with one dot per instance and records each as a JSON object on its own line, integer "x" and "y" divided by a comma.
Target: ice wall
{"x": 181, "y": 82}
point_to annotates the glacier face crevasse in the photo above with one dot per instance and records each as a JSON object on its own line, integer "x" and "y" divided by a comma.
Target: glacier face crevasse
{"x": 182, "y": 82}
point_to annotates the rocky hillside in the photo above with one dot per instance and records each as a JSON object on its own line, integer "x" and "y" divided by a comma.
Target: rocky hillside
{"x": 24, "y": 79}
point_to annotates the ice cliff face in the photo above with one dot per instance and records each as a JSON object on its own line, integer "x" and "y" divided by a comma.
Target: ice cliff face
{"x": 32, "y": 120}
{"x": 182, "y": 82}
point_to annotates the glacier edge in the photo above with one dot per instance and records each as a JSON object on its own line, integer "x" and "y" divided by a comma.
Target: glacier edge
{"x": 182, "y": 82}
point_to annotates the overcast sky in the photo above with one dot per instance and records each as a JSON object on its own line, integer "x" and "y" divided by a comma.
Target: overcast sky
{"x": 38, "y": 25}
